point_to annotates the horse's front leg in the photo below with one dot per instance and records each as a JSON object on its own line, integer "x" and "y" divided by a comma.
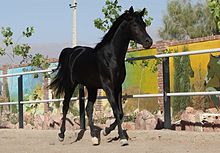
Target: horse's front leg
{"x": 92, "y": 94}
{"x": 118, "y": 97}
{"x": 117, "y": 113}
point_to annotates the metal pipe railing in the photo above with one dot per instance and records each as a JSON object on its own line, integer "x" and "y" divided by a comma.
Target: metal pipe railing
{"x": 166, "y": 93}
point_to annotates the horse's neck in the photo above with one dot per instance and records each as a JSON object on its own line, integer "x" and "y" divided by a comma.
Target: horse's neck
{"x": 120, "y": 41}
{"x": 118, "y": 45}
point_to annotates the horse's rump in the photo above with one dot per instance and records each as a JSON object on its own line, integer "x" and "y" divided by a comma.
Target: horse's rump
{"x": 75, "y": 65}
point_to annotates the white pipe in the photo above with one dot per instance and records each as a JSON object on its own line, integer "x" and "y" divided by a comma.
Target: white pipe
{"x": 193, "y": 93}
{"x": 125, "y": 96}
{"x": 26, "y": 73}
{"x": 135, "y": 58}
{"x": 195, "y": 52}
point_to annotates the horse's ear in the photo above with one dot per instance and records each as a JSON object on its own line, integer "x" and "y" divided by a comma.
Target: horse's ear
{"x": 131, "y": 10}
{"x": 142, "y": 12}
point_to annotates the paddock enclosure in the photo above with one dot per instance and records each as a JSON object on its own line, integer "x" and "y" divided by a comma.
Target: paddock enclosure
{"x": 140, "y": 84}
{"x": 163, "y": 141}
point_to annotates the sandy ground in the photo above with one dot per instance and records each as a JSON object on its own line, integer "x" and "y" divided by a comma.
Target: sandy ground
{"x": 163, "y": 141}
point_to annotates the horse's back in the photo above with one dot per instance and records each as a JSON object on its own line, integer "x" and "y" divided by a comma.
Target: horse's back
{"x": 81, "y": 63}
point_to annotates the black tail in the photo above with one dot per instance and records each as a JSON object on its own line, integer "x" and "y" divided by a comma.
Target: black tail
{"x": 58, "y": 83}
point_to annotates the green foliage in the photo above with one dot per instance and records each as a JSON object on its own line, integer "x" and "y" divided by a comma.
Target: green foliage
{"x": 73, "y": 109}
{"x": 214, "y": 7}
{"x": 21, "y": 50}
{"x": 38, "y": 94}
{"x": 182, "y": 73}
{"x": 7, "y": 34}
{"x": 40, "y": 61}
{"x": 29, "y": 32}
{"x": 185, "y": 20}
{"x": 130, "y": 118}
{"x": 111, "y": 11}
{"x": 199, "y": 102}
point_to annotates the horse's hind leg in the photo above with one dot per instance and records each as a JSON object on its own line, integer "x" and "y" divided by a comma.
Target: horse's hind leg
{"x": 68, "y": 94}
{"x": 92, "y": 94}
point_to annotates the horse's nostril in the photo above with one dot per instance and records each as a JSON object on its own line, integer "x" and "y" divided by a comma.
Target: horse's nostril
{"x": 149, "y": 41}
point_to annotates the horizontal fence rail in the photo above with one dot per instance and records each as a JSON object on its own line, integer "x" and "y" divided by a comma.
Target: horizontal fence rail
{"x": 196, "y": 52}
{"x": 166, "y": 93}
{"x": 27, "y": 73}
{"x": 124, "y": 97}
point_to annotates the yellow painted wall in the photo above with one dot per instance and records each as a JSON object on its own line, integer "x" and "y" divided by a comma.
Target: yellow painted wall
{"x": 197, "y": 61}
{"x": 139, "y": 79}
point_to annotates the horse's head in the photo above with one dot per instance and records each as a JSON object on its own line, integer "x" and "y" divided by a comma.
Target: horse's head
{"x": 137, "y": 27}
{"x": 211, "y": 69}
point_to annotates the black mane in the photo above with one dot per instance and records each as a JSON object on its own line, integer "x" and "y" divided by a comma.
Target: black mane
{"x": 108, "y": 36}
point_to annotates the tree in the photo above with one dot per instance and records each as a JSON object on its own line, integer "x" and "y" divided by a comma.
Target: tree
{"x": 111, "y": 11}
{"x": 12, "y": 49}
{"x": 186, "y": 21}
{"x": 182, "y": 73}
{"x": 214, "y": 7}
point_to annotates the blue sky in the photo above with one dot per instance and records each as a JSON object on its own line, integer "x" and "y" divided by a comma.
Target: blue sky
{"x": 52, "y": 20}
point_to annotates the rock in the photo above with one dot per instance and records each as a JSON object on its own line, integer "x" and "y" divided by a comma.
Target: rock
{"x": 38, "y": 122}
{"x": 190, "y": 110}
{"x": 8, "y": 124}
{"x": 109, "y": 122}
{"x": 145, "y": 121}
{"x": 191, "y": 115}
{"x": 212, "y": 110}
{"x": 46, "y": 122}
{"x": 28, "y": 127}
{"x": 128, "y": 125}
{"x": 28, "y": 118}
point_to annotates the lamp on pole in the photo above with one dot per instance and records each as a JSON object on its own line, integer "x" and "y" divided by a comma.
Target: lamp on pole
{"x": 73, "y": 6}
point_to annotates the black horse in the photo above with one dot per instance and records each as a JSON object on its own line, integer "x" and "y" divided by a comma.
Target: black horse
{"x": 102, "y": 67}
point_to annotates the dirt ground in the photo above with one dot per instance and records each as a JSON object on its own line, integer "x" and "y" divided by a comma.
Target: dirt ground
{"x": 163, "y": 141}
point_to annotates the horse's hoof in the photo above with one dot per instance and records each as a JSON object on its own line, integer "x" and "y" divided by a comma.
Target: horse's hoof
{"x": 104, "y": 133}
{"x": 61, "y": 137}
{"x": 124, "y": 142}
{"x": 95, "y": 141}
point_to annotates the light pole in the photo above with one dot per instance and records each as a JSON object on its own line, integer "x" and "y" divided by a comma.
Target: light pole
{"x": 73, "y": 6}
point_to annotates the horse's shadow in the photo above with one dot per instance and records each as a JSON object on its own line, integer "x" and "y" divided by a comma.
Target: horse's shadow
{"x": 98, "y": 131}
{"x": 111, "y": 139}
{"x": 81, "y": 133}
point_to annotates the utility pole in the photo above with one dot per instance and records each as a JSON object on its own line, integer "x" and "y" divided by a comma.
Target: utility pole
{"x": 73, "y": 6}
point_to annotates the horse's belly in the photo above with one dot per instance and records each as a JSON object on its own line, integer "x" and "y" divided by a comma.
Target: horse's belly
{"x": 87, "y": 74}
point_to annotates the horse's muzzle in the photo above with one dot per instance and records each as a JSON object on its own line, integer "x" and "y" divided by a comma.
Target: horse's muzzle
{"x": 148, "y": 43}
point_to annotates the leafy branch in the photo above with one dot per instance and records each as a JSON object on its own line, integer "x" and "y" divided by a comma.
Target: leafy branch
{"x": 111, "y": 11}
{"x": 21, "y": 50}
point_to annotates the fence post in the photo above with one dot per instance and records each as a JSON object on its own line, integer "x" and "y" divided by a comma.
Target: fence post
{"x": 82, "y": 107}
{"x": 20, "y": 98}
{"x": 166, "y": 89}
